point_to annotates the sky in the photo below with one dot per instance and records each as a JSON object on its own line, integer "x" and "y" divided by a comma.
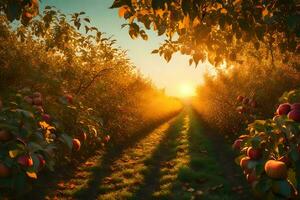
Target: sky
{"x": 172, "y": 76}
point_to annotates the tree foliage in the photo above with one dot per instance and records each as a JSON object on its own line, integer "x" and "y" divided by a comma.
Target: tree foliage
{"x": 214, "y": 30}
{"x": 66, "y": 89}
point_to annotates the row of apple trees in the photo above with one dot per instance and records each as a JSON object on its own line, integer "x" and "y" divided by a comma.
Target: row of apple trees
{"x": 66, "y": 89}
{"x": 254, "y": 46}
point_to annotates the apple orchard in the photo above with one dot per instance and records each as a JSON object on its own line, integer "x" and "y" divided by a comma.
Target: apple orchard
{"x": 67, "y": 90}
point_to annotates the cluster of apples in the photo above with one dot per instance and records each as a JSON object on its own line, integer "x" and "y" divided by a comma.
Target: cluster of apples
{"x": 5, "y": 136}
{"x": 246, "y": 103}
{"x": 24, "y": 160}
{"x": 36, "y": 100}
{"x": 277, "y": 170}
{"x": 291, "y": 110}
{"x": 248, "y": 162}
{"x": 274, "y": 168}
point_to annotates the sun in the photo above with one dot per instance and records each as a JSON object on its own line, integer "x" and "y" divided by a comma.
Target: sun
{"x": 187, "y": 90}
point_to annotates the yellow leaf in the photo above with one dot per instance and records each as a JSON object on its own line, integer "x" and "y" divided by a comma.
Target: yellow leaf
{"x": 154, "y": 27}
{"x": 131, "y": 19}
{"x": 180, "y": 25}
{"x": 224, "y": 11}
{"x": 122, "y": 11}
{"x": 236, "y": 2}
{"x": 186, "y": 21}
{"x": 31, "y": 175}
{"x": 44, "y": 125}
{"x": 196, "y": 22}
{"x": 160, "y": 12}
{"x": 219, "y": 6}
{"x": 13, "y": 153}
{"x": 144, "y": 12}
{"x": 265, "y": 12}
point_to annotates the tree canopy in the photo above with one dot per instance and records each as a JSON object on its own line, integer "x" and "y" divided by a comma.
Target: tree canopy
{"x": 214, "y": 30}
{"x": 206, "y": 30}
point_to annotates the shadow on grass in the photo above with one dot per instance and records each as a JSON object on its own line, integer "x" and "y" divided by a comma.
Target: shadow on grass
{"x": 217, "y": 161}
{"x": 164, "y": 152}
{"x": 113, "y": 153}
{"x": 47, "y": 184}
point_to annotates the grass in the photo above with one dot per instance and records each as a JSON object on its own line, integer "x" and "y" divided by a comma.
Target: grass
{"x": 174, "y": 161}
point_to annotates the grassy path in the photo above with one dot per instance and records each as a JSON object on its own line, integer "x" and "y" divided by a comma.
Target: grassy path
{"x": 174, "y": 161}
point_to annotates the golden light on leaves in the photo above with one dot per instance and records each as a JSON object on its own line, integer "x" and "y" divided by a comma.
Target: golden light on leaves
{"x": 224, "y": 11}
{"x": 122, "y": 11}
{"x": 265, "y": 12}
{"x": 31, "y": 175}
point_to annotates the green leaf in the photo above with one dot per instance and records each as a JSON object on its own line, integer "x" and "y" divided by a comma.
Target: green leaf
{"x": 283, "y": 188}
{"x": 120, "y": 3}
{"x": 34, "y": 147}
{"x": 294, "y": 155}
{"x": 157, "y": 4}
{"x": 185, "y": 6}
{"x": 20, "y": 183}
{"x": 5, "y": 182}
{"x": 256, "y": 142}
{"x": 67, "y": 140}
{"x": 25, "y": 113}
{"x": 263, "y": 186}
{"x": 36, "y": 162}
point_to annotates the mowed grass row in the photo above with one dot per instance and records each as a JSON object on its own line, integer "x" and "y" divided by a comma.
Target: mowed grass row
{"x": 174, "y": 161}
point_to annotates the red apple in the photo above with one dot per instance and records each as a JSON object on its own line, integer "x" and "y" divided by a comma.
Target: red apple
{"x": 244, "y": 162}
{"x": 69, "y": 98}
{"x": 83, "y": 136}
{"x": 42, "y": 161}
{"x": 246, "y": 101}
{"x": 37, "y": 95}
{"x": 295, "y": 106}
{"x": 240, "y": 98}
{"x": 25, "y": 161}
{"x": 251, "y": 177}
{"x": 276, "y": 169}
{"x": 254, "y": 154}
{"x": 283, "y": 109}
{"x": 253, "y": 104}
{"x": 5, "y": 135}
{"x": 107, "y": 138}
{"x": 294, "y": 115}
{"x": 37, "y": 101}
{"x": 4, "y": 171}
{"x": 28, "y": 100}
{"x": 237, "y": 144}
{"x": 46, "y": 117}
{"x": 76, "y": 144}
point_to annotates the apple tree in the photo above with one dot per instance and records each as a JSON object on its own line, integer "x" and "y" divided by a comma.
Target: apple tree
{"x": 270, "y": 151}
